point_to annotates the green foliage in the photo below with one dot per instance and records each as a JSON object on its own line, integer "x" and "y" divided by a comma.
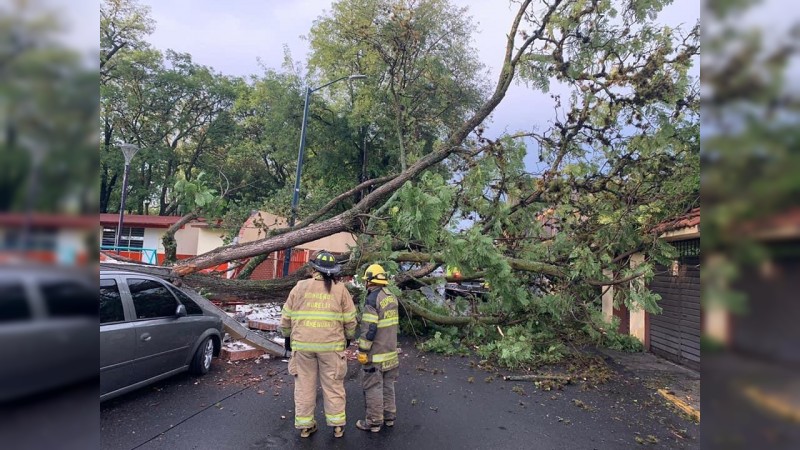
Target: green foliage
{"x": 423, "y": 77}
{"x": 48, "y": 108}
{"x": 523, "y": 347}
{"x": 623, "y": 342}
{"x": 750, "y": 169}
{"x": 607, "y": 335}
{"x": 195, "y": 194}
{"x": 446, "y": 343}
{"x": 417, "y": 212}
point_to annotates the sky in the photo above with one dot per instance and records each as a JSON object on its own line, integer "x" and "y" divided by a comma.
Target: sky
{"x": 233, "y": 36}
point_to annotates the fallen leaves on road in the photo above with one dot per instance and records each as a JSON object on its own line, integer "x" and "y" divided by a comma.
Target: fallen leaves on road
{"x": 581, "y": 404}
{"x": 650, "y": 439}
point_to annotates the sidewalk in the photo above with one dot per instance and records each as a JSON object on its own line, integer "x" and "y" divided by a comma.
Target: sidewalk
{"x": 752, "y": 403}
{"x": 767, "y": 385}
{"x": 676, "y": 384}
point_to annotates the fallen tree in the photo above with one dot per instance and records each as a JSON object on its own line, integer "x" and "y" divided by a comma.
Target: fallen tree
{"x": 620, "y": 156}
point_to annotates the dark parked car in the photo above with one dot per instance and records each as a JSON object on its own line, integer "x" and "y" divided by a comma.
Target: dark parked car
{"x": 150, "y": 330}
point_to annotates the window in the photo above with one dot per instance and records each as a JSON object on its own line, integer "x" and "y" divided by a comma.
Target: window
{"x": 68, "y": 298}
{"x": 131, "y": 237}
{"x": 13, "y": 302}
{"x": 192, "y": 308}
{"x": 110, "y": 302}
{"x": 151, "y": 299}
{"x": 43, "y": 239}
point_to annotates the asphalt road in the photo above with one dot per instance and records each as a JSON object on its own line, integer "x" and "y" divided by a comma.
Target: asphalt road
{"x": 443, "y": 402}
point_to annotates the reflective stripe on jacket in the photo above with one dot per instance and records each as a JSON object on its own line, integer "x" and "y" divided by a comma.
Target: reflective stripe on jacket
{"x": 317, "y": 320}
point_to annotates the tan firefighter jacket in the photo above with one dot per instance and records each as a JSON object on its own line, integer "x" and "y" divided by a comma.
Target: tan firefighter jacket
{"x": 316, "y": 320}
{"x": 379, "y": 329}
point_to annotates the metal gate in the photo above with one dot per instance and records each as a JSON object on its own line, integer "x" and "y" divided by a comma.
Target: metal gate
{"x": 675, "y": 333}
{"x": 768, "y": 328}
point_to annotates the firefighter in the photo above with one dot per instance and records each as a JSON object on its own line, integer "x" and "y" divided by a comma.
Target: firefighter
{"x": 377, "y": 351}
{"x": 318, "y": 321}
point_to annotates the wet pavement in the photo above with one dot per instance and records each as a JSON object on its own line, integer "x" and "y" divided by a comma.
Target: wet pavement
{"x": 751, "y": 403}
{"x": 658, "y": 373}
{"x": 443, "y": 402}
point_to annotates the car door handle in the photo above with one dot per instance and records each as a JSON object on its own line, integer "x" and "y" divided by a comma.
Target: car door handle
{"x": 145, "y": 337}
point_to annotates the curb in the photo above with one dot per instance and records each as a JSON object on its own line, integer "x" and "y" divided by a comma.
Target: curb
{"x": 680, "y": 404}
{"x": 772, "y": 403}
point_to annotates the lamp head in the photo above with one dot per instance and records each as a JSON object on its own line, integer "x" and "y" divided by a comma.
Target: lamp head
{"x": 128, "y": 150}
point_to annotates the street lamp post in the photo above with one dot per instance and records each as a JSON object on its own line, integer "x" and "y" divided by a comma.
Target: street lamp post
{"x": 300, "y": 153}
{"x": 38, "y": 152}
{"x": 128, "y": 150}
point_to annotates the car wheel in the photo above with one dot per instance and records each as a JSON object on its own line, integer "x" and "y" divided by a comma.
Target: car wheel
{"x": 201, "y": 362}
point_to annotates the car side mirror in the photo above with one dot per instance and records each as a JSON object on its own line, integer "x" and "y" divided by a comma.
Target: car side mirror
{"x": 181, "y": 311}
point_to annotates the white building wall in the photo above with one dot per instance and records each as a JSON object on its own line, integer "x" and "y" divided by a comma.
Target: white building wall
{"x": 208, "y": 239}
{"x": 152, "y": 238}
{"x": 186, "y": 238}
{"x": 637, "y": 313}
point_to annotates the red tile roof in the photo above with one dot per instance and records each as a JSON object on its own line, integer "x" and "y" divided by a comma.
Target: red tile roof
{"x": 138, "y": 220}
{"x": 688, "y": 220}
{"x": 147, "y": 221}
{"x": 48, "y": 220}
{"x": 785, "y": 219}
{"x": 784, "y": 224}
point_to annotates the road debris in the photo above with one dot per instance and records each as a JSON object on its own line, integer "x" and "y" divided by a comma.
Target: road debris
{"x": 580, "y": 404}
{"x": 565, "y": 378}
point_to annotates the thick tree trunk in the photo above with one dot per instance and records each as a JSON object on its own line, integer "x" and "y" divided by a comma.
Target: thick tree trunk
{"x": 170, "y": 246}
{"x": 442, "y": 319}
{"x": 223, "y": 289}
{"x": 342, "y": 222}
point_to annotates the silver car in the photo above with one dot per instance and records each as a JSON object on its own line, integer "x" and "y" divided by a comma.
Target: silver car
{"x": 48, "y": 327}
{"x": 150, "y": 330}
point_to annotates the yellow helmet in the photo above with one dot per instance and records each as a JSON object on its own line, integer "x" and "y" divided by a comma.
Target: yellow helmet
{"x": 376, "y": 275}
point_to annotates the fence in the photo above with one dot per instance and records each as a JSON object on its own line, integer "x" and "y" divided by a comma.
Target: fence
{"x": 145, "y": 255}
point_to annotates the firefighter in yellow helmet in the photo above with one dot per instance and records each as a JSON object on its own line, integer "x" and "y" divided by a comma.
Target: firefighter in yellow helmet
{"x": 377, "y": 351}
{"x": 318, "y": 321}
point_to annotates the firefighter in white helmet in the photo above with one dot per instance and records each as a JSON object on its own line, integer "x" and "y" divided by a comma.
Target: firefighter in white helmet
{"x": 318, "y": 321}
{"x": 377, "y": 351}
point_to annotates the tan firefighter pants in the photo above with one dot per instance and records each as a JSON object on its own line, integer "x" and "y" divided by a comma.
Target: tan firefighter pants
{"x": 379, "y": 394}
{"x": 330, "y": 368}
